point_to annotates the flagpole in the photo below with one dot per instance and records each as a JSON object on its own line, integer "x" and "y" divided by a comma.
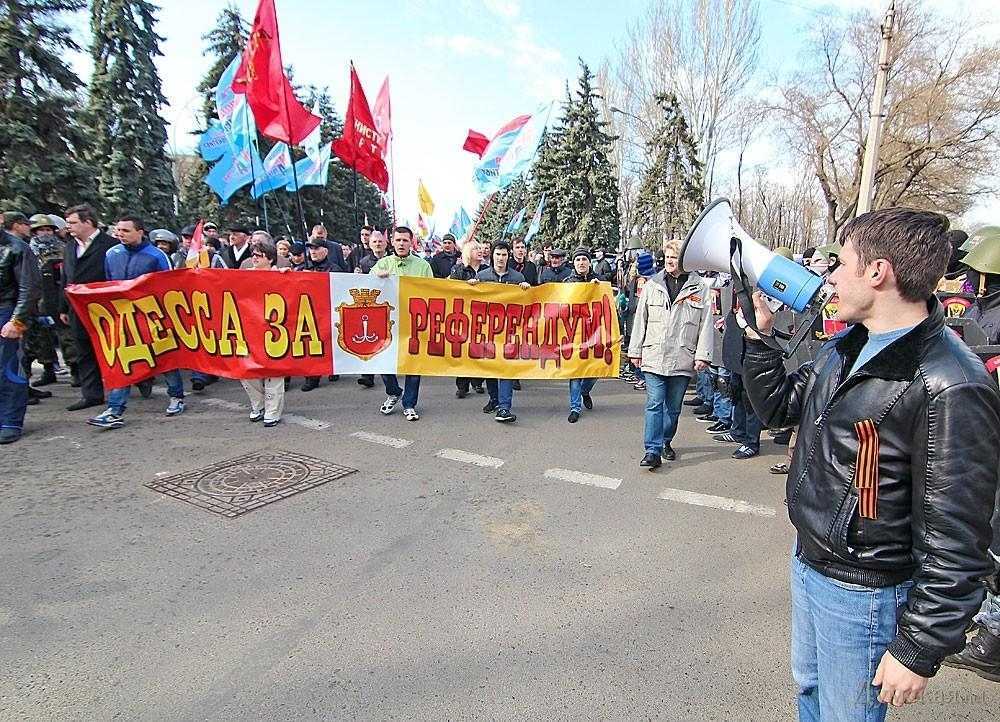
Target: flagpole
{"x": 298, "y": 188}
{"x": 356, "y": 227}
{"x": 520, "y": 196}
{"x": 252, "y": 141}
{"x": 267, "y": 224}
{"x": 486, "y": 207}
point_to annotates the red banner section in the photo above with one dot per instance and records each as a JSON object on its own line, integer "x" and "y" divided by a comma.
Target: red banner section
{"x": 240, "y": 324}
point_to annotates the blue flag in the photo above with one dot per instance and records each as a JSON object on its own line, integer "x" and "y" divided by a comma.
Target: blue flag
{"x": 460, "y": 224}
{"x": 536, "y": 221}
{"x": 230, "y": 174}
{"x": 522, "y": 151}
{"x": 515, "y": 222}
{"x": 311, "y": 172}
{"x": 213, "y": 144}
{"x": 276, "y": 173}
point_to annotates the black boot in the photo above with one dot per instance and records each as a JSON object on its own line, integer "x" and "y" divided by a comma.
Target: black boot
{"x": 34, "y": 393}
{"x": 48, "y": 376}
{"x": 981, "y": 655}
{"x": 311, "y": 382}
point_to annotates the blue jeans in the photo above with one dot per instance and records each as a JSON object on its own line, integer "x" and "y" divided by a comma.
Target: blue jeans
{"x": 409, "y": 392}
{"x": 118, "y": 398}
{"x": 989, "y": 614}
{"x": 577, "y": 388}
{"x": 664, "y": 396}
{"x": 839, "y": 633}
{"x": 13, "y": 383}
{"x": 745, "y": 426}
{"x": 722, "y": 405}
{"x": 703, "y": 386}
{"x": 501, "y": 392}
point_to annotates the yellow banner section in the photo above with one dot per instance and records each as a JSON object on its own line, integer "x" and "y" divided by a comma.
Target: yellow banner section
{"x": 492, "y": 330}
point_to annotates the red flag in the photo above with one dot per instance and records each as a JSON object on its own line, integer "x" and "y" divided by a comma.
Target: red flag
{"x": 383, "y": 119}
{"x": 261, "y": 76}
{"x": 359, "y": 146}
{"x": 476, "y": 143}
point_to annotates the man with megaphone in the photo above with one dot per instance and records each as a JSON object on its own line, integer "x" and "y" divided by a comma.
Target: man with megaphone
{"x": 894, "y": 474}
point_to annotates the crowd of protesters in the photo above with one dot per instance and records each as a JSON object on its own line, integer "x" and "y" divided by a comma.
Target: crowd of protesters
{"x": 679, "y": 328}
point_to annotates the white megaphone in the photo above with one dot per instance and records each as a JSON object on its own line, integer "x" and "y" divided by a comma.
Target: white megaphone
{"x": 717, "y": 242}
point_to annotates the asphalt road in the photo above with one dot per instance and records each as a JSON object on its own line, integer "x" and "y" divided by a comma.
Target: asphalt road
{"x": 421, "y": 586}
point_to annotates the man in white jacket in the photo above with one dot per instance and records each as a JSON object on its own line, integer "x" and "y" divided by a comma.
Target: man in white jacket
{"x": 671, "y": 340}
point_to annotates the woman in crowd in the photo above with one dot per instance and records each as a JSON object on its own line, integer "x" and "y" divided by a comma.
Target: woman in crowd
{"x": 267, "y": 396}
{"x": 468, "y": 268}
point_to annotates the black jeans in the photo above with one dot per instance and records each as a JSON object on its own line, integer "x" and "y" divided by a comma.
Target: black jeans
{"x": 463, "y": 383}
{"x": 91, "y": 386}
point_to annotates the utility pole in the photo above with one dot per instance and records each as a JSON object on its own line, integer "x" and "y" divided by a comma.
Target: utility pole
{"x": 877, "y": 118}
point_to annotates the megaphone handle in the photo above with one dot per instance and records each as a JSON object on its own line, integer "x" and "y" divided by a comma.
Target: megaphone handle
{"x": 743, "y": 288}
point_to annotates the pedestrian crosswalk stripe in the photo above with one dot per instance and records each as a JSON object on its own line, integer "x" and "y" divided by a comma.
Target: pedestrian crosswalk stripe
{"x": 716, "y": 502}
{"x": 467, "y": 457}
{"x": 581, "y": 477}
{"x": 384, "y": 440}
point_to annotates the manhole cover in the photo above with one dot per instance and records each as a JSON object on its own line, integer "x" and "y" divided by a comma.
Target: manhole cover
{"x": 232, "y": 488}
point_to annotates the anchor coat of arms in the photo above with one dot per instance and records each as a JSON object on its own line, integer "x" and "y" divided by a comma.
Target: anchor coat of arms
{"x": 365, "y": 328}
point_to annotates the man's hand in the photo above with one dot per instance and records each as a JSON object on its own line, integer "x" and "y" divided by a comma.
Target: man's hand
{"x": 11, "y": 330}
{"x": 64, "y": 317}
{"x": 382, "y": 273}
{"x": 899, "y": 685}
{"x": 636, "y": 360}
{"x": 472, "y": 281}
{"x": 524, "y": 286}
{"x": 765, "y": 319}
{"x": 700, "y": 365}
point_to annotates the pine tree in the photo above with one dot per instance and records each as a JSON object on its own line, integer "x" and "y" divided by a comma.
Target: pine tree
{"x": 128, "y": 133}
{"x": 41, "y": 142}
{"x": 672, "y": 189}
{"x": 574, "y": 170}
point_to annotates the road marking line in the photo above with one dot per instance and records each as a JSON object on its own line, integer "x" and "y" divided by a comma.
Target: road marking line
{"x": 580, "y": 477}
{"x": 469, "y": 458}
{"x": 384, "y": 440}
{"x": 314, "y": 424}
{"x": 716, "y": 502}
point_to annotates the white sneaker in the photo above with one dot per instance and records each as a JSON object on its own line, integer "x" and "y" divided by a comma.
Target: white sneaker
{"x": 389, "y": 405}
{"x": 175, "y": 407}
{"x": 411, "y": 414}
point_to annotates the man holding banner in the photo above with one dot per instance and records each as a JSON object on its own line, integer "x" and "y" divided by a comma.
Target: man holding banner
{"x": 135, "y": 256}
{"x": 403, "y": 263}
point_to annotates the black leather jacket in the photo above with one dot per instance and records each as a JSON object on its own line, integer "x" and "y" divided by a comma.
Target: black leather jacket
{"x": 20, "y": 279}
{"x": 922, "y": 420}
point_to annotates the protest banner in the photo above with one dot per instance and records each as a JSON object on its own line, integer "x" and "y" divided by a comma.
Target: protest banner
{"x": 253, "y": 324}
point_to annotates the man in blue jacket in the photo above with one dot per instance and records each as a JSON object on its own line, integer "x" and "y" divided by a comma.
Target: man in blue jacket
{"x": 135, "y": 256}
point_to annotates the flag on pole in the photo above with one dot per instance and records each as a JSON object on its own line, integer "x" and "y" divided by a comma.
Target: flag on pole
{"x": 383, "y": 119}
{"x": 197, "y": 256}
{"x": 233, "y": 171}
{"x": 358, "y": 147}
{"x": 536, "y": 221}
{"x": 310, "y": 172}
{"x": 460, "y": 224}
{"x": 311, "y": 142}
{"x": 231, "y": 107}
{"x": 261, "y": 76}
{"x": 486, "y": 172}
{"x": 277, "y": 171}
{"x": 475, "y": 142}
{"x": 516, "y": 222}
{"x": 213, "y": 144}
{"x": 521, "y": 153}
{"x": 424, "y": 199}
{"x": 422, "y": 230}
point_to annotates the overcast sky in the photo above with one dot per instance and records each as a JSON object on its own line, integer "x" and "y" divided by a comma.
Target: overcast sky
{"x": 460, "y": 64}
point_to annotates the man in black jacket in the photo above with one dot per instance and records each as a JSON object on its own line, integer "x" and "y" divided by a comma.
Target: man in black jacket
{"x": 520, "y": 263}
{"x": 893, "y": 478}
{"x": 83, "y": 262}
{"x": 444, "y": 260}
{"x": 20, "y": 288}
{"x": 238, "y": 249}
